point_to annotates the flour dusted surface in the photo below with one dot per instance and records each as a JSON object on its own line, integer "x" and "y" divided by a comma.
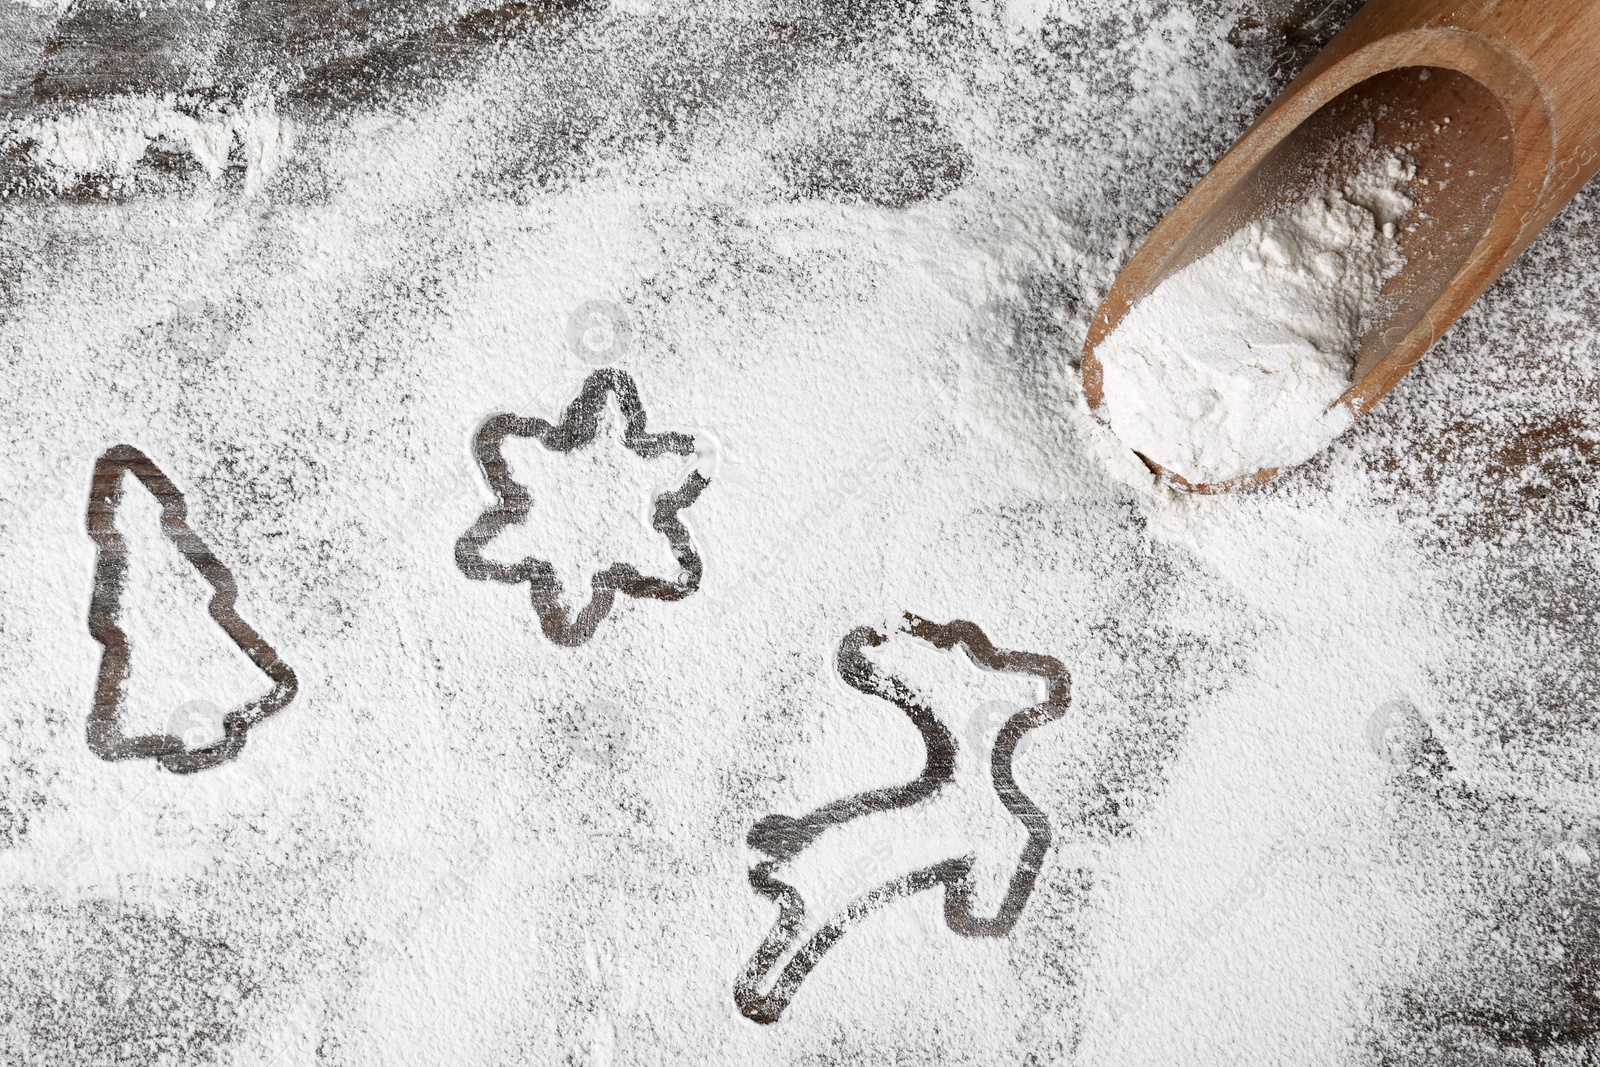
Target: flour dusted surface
{"x": 857, "y": 263}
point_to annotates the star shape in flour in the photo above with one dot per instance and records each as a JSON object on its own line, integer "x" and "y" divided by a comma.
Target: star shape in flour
{"x": 579, "y": 427}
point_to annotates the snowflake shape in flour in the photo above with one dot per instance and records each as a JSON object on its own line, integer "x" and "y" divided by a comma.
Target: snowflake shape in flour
{"x": 579, "y": 427}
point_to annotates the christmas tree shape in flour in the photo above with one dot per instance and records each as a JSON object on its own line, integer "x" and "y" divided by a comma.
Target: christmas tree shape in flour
{"x": 963, "y": 823}
{"x": 181, "y": 640}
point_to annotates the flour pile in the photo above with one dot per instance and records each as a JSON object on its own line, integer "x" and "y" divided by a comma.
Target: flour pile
{"x": 1234, "y": 363}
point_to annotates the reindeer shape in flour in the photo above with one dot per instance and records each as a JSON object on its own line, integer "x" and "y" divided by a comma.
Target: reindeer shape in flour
{"x": 804, "y": 932}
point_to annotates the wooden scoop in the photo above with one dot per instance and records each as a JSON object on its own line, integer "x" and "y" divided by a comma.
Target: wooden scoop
{"x": 1497, "y": 102}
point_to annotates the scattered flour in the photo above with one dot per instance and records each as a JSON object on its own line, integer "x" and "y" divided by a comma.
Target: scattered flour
{"x": 180, "y": 657}
{"x": 1234, "y": 364}
{"x": 107, "y": 141}
{"x": 464, "y": 844}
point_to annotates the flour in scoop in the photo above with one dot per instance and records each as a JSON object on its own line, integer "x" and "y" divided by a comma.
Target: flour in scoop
{"x": 1234, "y": 363}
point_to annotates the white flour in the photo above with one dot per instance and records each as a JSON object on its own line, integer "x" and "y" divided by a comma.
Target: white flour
{"x": 107, "y": 143}
{"x": 1234, "y": 363}
{"x": 183, "y": 658}
{"x": 464, "y": 844}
